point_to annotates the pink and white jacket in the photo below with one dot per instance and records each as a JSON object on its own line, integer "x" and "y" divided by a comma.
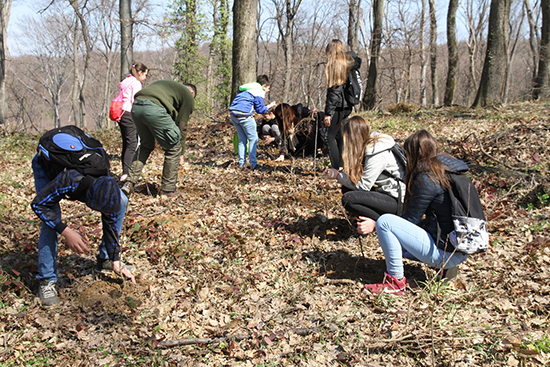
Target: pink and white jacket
{"x": 129, "y": 87}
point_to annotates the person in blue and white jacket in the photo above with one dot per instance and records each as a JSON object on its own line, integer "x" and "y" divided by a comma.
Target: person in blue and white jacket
{"x": 249, "y": 99}
{"x": 101, "y": 194}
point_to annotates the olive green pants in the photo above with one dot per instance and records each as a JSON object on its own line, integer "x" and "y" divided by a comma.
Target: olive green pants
{"x": 154, "y": 123}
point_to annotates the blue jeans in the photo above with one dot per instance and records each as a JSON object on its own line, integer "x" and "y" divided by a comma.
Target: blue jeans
{"x": 400, "y": 238}
{"x": 247, "y": 132}
{"x": 47, "y": 242}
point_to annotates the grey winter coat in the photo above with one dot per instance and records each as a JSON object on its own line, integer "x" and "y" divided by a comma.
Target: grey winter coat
{"x": 379, "y": 159}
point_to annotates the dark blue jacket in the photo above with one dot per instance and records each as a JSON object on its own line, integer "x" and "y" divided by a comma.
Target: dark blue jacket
{"x": 65, "y": 186}
{"x": 430, "y": 198}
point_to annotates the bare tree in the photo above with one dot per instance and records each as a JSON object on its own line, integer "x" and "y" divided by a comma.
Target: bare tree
{"x": 126, "y": 36}
{"x": 453, "y": 53}
{"x": 491, "y": 86}
{"x": 534, "y": 39}
{"x": 423, "y": 64}
{"x": 79, "y": 79}
{"x": 433, "y": 53}
{"x": 370, "y": 98}
{"x": 475, "y": 13}
{"x": 354, "y": 10}
{"x": 286, "y": 16}
{"x": 5, "y": 8}
{"x": 46, "y": 71}
{"x": 244, "y": 43}
{"x": 517, "y": 16}
{"x": 541, "y": 87}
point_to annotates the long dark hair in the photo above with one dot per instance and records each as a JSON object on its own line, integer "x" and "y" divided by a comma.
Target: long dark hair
{"x": 422, "y": 151}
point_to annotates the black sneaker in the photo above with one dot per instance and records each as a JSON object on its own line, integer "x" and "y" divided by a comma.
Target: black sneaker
{"x": 127, "y": 188}
{"x": 107, "y": 265}
{"x": 47, "y": 293}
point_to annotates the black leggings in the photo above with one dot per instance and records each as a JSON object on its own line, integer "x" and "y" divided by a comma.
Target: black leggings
{"x": 369, "y": 204}
{"x": 129, "y": 140}
{"x": 334, "y": 139}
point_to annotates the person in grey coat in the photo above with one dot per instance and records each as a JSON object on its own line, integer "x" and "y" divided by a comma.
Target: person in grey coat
{"x": 372, "y": 179}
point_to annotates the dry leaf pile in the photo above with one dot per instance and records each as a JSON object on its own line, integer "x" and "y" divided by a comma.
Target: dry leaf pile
{"x": 260, "y": 268}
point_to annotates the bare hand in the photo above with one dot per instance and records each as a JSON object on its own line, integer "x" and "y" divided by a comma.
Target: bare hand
{"x": 75, "y": 241}
{"x": 124, "y": 271}
{"x": 365, "y": 225}
{"x": 181, "y": 161}
{"x": 280, "y": 158}
{"x": 327, "y": 121}
{"x": 332, "y": 173}
{"x": 269, "y": 139}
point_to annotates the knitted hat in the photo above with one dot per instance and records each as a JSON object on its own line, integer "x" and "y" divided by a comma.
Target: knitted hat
{"x": 104, "y": 195}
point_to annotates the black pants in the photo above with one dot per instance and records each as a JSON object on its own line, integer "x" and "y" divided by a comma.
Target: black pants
{"x": 129, "y": 141}
{"x": 334, "y": 138}
{"x": 369, "y": 204}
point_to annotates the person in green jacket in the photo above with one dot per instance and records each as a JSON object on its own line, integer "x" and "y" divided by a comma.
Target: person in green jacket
{"x": 161, "y": 112}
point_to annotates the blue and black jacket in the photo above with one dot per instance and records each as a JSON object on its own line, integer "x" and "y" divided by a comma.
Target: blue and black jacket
{"x": 66, "y": 186}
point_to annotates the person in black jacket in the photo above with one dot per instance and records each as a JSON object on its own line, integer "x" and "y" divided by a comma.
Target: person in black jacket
{"x": 102, "y": 194}
{"x": 421, "y": 232}
{"x": 339, "y": 63}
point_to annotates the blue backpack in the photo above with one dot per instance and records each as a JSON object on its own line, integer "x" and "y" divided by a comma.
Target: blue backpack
{"x": 69, "y": 147}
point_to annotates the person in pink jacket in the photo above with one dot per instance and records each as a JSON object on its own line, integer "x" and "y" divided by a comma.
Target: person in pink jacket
{"x": 129, "y": 86}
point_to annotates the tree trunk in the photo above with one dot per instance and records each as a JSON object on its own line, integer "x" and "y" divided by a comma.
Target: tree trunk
{"x": 491, "y": 86}
{"x": 533, "y": 37}
{"x": 370, "y": 99}
{"x": 79, "y": 104}
{"x": 353, "y": 24}
{"x": 5, "y": 8}
{"x": 287, "y": 31}
{"x": 512, "y": 46}
{"x": 541, "y": 88}
{"x": 126, "y": 37}
{"x": 423, "y": 65}
{"x": 453, "y": 53}
{"x": 433, "y": 52}
{"x": 244, "y": 43}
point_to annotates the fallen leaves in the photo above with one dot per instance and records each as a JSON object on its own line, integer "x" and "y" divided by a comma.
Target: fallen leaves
{"x": 250, "y": 267}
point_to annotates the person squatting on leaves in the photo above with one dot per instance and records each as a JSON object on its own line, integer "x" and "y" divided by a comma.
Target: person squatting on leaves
{"x": 250, "y": 98}
{"x": 337, "y": 108}
{"x": 268, "y": 129}
{"x": 161, "y": 112}
{"x": 372, "y": 180}
{"x": 98, "y": 193}
{"x": 412, "y": 235}
{"x": 129, "y": 86}
{"x": 301, "y": 130}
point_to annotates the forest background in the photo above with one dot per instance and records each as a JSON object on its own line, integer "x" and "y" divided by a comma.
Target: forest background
{"x": 64, "y": 61}
{"x": 263, "y": 268}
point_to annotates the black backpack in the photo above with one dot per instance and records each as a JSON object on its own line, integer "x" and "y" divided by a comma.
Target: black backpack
{"x": 353, "y": 89}
{"x": 470, "y": 235}
{"x": 70, "y": 147}
{"x": 401, "y": 158}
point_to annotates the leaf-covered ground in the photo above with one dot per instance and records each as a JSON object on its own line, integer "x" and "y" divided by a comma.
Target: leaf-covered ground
{"x": 251, "y": 268}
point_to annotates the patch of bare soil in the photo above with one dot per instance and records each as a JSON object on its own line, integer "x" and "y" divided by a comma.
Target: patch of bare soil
{"x": 250, "y": 268}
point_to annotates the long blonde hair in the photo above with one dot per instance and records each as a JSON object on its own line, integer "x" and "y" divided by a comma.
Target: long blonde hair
{"x": 338, "y": 63}
{"x": 357, "y": 137}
